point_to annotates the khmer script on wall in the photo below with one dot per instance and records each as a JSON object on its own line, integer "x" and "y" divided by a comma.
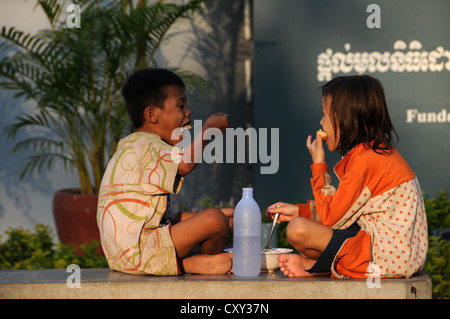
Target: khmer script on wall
{"x": 414, "y": 60}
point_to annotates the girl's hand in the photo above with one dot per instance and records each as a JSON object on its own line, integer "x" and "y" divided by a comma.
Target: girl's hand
{"x": 287, "y": 211}
{"x": 315, "y": 148}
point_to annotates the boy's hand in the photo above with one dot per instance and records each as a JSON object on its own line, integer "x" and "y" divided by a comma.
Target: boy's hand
{"x": 315, "y": 148}
{"x": 287, "y": 211}
{"x": 218, "y": 120}
{"x": 193, "y": 152}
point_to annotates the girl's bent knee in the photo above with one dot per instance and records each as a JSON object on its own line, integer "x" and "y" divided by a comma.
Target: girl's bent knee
{"x": 297, "y": 229}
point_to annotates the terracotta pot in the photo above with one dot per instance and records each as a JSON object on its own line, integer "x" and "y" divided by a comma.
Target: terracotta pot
{"x": 75, "y": 217}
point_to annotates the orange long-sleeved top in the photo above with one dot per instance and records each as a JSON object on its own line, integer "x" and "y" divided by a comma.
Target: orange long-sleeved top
{"x": 381, "y": 193}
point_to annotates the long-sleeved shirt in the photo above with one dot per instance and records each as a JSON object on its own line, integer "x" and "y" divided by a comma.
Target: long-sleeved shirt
{"x": 381, "y": 193}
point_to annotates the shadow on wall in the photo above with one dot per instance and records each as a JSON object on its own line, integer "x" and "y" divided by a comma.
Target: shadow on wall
{"x": 220, "y": 50}
{"x": 19, "y": 197}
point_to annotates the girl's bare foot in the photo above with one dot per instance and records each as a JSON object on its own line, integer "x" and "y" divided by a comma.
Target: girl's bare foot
{"x": 294, "y": 265}
{"x": 207, "y": 264}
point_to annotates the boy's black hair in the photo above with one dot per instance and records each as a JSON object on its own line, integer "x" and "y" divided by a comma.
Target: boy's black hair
{"x": 148, "y": 88}
{"x": 359, "y": 111}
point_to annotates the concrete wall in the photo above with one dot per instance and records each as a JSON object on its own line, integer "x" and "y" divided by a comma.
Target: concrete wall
{"x": 290, "y": 36}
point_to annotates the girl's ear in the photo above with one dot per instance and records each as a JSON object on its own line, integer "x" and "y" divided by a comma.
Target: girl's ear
{"x": 151, "y": 114}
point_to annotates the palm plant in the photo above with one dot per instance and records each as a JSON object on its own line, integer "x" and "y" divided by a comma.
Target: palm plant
{"x": 74, "y": 76}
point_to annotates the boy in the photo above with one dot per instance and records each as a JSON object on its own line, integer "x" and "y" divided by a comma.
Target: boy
{"x": 137, "y": 234}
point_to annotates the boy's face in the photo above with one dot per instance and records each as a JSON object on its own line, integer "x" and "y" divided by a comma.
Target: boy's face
{"x": 174, "y": 115}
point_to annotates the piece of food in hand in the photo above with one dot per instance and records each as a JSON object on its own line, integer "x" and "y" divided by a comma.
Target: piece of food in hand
{"x": 187, "y": 127}
{"x": 322, "y": 134}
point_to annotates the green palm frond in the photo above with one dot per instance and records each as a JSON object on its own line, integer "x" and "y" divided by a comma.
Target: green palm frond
{"x": 51, "y": 8}
{"x": 44, "y": 151}
{"x": 36, "y": 162}
{"x": 151, "y": 24}
{"x": 21, "y": 39}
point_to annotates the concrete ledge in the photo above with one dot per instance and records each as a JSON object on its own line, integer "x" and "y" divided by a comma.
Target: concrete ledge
{"x": 104, "y": 283}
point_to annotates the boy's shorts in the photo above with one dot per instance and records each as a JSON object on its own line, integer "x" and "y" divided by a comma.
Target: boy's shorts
{"x": 323, "y": 264}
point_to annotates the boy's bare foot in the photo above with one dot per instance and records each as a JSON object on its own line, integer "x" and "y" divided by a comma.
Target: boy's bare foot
{"x": 294, "y": 265}
{"x": 207, "y": 264}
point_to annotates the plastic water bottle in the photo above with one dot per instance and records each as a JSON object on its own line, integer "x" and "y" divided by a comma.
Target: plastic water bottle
{"x": 247, "y": 236}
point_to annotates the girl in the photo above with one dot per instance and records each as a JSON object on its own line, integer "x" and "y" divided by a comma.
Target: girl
{"x": 374, "y": 224}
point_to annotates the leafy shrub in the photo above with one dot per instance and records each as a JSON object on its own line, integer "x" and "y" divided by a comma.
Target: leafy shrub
{"x": 438, "y": 266}
{"x": 438, "y": 256}
{"x": 24, "y": 249}
{"x": 438, "y": 212}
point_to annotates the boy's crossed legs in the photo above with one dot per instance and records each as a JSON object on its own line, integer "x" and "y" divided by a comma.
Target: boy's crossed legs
{"x": 208, "y": 229}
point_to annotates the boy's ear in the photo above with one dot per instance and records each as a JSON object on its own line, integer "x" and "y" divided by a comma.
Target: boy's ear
{"x": 151, "y": 114}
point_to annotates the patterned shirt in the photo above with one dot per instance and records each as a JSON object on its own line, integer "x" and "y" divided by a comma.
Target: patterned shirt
{"x": 132, "y": 201}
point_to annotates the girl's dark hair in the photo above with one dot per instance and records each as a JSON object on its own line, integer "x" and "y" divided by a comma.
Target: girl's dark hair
{"x": 147, "y": 87}
{"x": 359, "y": 111}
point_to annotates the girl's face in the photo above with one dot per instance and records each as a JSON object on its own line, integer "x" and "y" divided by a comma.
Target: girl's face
{"x": 327, "y": 124}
